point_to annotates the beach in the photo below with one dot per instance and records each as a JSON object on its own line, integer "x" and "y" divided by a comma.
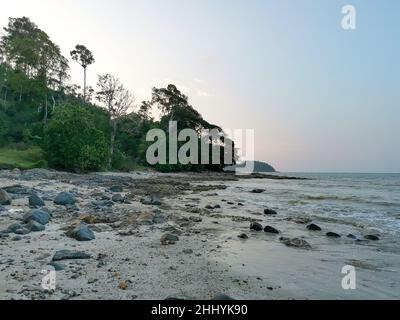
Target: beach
{"x": 187, "y": 236}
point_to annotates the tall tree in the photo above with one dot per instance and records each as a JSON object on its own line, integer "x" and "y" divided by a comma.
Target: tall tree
{"x": 85, "y": 58}
{"x": 117, "y": 100}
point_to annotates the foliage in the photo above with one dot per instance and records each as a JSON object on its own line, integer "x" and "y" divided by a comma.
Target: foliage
{"x": 73, "y": 142}
{"x": 22, "y": 159}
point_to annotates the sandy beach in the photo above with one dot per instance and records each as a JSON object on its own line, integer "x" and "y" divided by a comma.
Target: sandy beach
{"x": 185, "y": 236}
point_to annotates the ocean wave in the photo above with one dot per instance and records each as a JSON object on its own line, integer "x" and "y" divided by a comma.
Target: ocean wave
{"x": 350, "y": 198}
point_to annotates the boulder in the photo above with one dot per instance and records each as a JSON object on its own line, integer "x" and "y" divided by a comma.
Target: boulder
{"x": 14, "y": 227}
{"x": 22, "y": 231}
{"x": 269, "y": 229}
{"x": 313, "y": 227}
{"x": 37, "y": 215}
{"x": 35, "y": 201}
{"x": 65, "y": 199}
{"x": 81, "y": 233}
{"x": 5, "y": 198}
{"x": 256, "y": 226}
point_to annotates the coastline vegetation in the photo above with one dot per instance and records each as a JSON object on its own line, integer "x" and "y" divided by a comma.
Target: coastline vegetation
{"x": 47, "y": 120}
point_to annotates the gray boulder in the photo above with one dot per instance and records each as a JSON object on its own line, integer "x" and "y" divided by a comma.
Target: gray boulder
{"x": 37, "y": 215}
{"x": 5, "y": 198}
{"x": 269, "y": 229}
{"x": 35, "y": 201}
{"x": 82, "y": 233}
{"x": 256, "y": 226}
{"x": 65, "y": 199}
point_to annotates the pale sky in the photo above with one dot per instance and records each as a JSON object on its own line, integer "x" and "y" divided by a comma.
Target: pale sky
{"x": 319, "y": 98}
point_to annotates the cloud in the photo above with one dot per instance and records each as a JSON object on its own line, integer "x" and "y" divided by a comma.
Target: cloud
{"x": 197, "y": 80}
{"x": 202, "y": 93}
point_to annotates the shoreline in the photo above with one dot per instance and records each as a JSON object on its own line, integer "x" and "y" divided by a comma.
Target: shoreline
{"x": 207, "y": 212}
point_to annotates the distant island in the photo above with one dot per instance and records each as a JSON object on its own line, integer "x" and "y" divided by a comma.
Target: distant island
{"x": 258, "y": 167}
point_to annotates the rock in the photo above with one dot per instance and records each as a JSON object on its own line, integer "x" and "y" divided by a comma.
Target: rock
{"x": 296, "y": 243}
{"x": 22, "y": 231}
{"x": 258, "y": 191}
{"x": 269, "y": 229}
{"x": 70, "y": 255}
{"x": 5, "y": 198}
{"x": 169, "y": 238}
{"x": 256, "y": 226}
{"x": 57, "y": 266}
{"x": 37, "y": 215}
{"x": 352, "y": 236}
{"x": 222, "y": 297}
{"x": 35, "y": 201}
{"x": 16, "y": 238}
{"x": 372, "y": 237}
{"x": 34, "y": 226}
{"x": 196, "y": 219}
{"x": 333, "y": 235}
{"x": 217, "y": 206}
{"x": 188, "y": 251}
{"x": 116, "y": 189}
{"x": 152, "y": 201}
{"x": 313, "y": 227}
{"x": 122, "y": 286}
{"x": 118, "y": 198}
{"x": 2, "y": 208}
{"x": 64, "y": 199}
{"x": 243, "y": 236}
{"x": 14, "y": 227}
{"x": 146, "y": 218}
{"x": 81, "y": 233}
{"x": 270, "y": 212}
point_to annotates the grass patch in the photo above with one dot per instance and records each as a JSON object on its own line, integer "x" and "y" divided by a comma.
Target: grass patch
{"x": 22, "y": 159}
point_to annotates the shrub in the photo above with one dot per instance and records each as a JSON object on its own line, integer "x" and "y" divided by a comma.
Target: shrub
{"x": 72, "y": 142}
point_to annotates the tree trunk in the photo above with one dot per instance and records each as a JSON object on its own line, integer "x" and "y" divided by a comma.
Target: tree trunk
{"x": 84, "y": 85}
{"x": 46, "y": 110}
{"x": 112, "y": 140}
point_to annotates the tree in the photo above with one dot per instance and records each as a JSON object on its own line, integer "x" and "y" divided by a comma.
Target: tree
{"x": 84, "y": 57}
{"x": 117, "y": 100}
{"x": 73, "y": 142}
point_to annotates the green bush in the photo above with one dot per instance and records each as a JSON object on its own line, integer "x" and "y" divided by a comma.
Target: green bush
{"x": 72, "y": 142}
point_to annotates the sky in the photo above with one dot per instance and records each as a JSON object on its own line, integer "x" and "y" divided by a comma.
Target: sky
{"x": 319, "y": 98}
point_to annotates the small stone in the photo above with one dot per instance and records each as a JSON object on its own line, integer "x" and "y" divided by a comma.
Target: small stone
{"x": 34, "y": 226}
{"x": 256, "y": 226}
{"x": 35, "y": 201}
{"x": 70, "y": 255}
{"x": 64, "y": 199}
{"x": 352, "y": 236}
{"x": 22, "y": 231}
{"x": 169, "y": 238}
{"x": 14, "y": 227}
{"x": 296, "y": 243}
{"x": 5, "y": 198}
{"x": 57, "y": 266}
{"x": 270, "y": 212}
{"x": 372, "y": 237}
{"x": 118, "y": 198}
{"x": 16, "y": 238}
{"x": 188, "y": 251}
{"x": 269, "y": 229}
{"x": 333, "y": 235}
{"x": 243, "y": 236}
{"x": 116, "y": 189}
{"x": 122, "y": 286}
{"x": 313, "y": 227}
{"x": 258, "y": 191}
